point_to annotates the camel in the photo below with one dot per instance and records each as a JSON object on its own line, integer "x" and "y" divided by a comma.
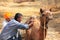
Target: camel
{"x": 39, "y": 28}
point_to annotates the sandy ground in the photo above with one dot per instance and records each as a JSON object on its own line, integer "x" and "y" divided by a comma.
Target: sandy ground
{"x": 28, "y": 9}
{"x": 54, "y": 28}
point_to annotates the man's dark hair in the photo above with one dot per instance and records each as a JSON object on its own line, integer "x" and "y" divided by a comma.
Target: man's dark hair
{"x": 17, "y": 15}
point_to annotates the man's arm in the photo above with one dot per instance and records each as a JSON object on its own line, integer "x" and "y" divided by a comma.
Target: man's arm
{"x": 22, "y": 26}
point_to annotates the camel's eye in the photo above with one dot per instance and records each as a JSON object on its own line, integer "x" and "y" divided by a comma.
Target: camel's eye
{"x": 46, "y": 17}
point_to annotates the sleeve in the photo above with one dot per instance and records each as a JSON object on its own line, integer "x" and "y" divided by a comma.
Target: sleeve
{"x": 22, "y": 26}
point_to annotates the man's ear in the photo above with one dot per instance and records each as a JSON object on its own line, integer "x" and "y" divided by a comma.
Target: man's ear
{"x": 41, "y": 10}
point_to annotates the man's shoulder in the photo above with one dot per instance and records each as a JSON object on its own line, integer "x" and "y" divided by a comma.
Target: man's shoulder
{"x": 13, "y": 22}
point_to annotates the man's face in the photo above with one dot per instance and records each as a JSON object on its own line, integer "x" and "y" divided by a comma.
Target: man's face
{"x": 19, "y": 19}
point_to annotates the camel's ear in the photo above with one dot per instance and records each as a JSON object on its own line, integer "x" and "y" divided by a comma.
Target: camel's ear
{"x": 41, "y": 11}
{"x": 50, "y": 10}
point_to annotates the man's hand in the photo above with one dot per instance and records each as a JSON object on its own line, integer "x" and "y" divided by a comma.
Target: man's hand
{"x": 30, "y": 25}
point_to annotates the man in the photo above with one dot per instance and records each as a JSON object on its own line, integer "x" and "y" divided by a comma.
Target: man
{"x": 7, "y": 17}
{"x": 10, "y": 30}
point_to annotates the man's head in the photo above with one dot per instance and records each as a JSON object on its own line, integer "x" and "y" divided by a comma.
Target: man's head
{"x": 18, "y": 17}
{"x": 7, "y": 16}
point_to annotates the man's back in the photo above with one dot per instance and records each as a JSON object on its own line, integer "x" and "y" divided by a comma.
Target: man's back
{"x": 9, "y": 30}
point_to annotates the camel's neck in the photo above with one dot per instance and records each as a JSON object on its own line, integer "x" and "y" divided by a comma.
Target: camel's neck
{"x": 44, "y": 21}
